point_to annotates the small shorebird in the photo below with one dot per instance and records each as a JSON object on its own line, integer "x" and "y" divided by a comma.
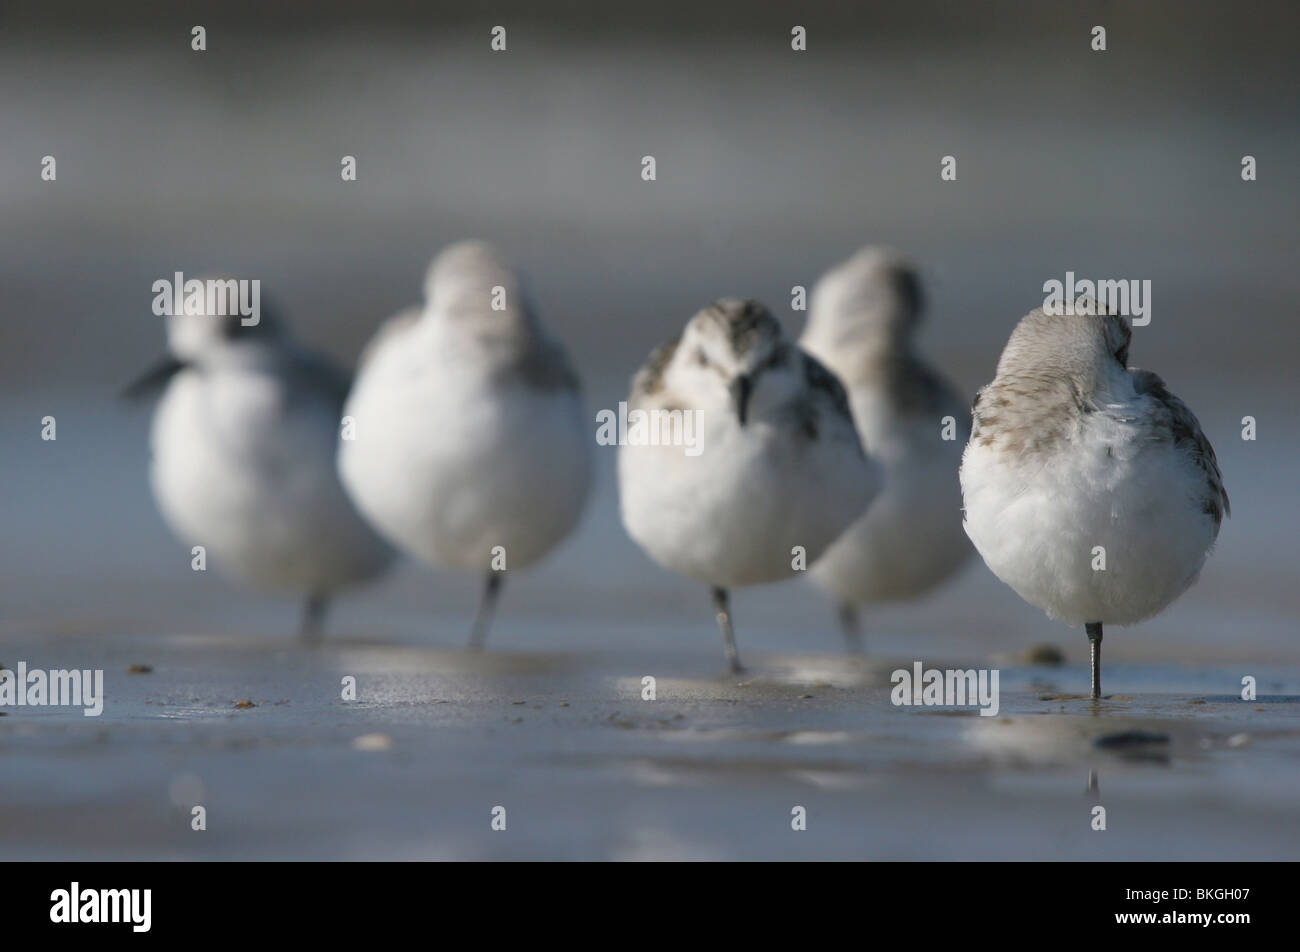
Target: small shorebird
{"x": 1089, "y": 487}
{"x": 862, "y": 324}
{"x": 780, "y": 469}
{"x": 470, "y": 449}
{"x": 244, "y": 441}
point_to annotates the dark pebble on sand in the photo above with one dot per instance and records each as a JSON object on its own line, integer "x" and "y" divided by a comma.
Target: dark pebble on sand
{"x": 1044, "y": 654}
{"x": 1124, "y": 739}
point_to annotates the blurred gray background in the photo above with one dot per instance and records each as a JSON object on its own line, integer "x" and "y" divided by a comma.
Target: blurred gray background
{"x": 772, "y": 165}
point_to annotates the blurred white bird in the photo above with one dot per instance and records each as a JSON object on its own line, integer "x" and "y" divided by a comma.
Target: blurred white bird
{"x": 862, "y": 324}
{"x": 470, "y": 447}
{"x": 244, "y": 442}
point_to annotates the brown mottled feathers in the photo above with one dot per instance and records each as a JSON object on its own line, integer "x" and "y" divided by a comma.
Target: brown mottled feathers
{"x": 825, "y": 392}
{"x": 1177, "y": 418}
{"x": 1036, "y": 404}
{"x": 744, "y": 322}
{"x": 822, "y": 381}
{"x": 650, "y": 378}
{"x": 825, "y": 395}
{"x": 1039, "y": 425}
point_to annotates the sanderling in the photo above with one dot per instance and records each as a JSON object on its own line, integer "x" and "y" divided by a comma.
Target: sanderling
{"x": 1089, "y": 488}
{"x": 470, "y": 450}
{"x": 781, "y": 471}
{"x": 861, "y": 324}
{"x": 244, "y": 442}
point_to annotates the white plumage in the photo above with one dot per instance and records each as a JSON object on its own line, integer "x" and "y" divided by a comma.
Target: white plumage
{"x": 470, "y": 445}
{"x": 243, "y": 442}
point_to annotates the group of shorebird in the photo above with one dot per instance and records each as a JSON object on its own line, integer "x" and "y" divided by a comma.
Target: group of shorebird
{"x": 463, "y": 441}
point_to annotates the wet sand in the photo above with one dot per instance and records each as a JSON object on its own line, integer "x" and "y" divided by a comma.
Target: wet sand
{"x": 586, "y": 769}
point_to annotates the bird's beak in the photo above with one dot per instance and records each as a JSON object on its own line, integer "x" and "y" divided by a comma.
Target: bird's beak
{"x": 154, "y": 379}
{"x": 741, "y": 388}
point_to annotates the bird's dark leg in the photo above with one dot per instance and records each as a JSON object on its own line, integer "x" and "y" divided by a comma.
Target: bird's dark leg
{"x": 486, "y": 606}
{"x": 312, "y": 627}
{"x": 728, "y": 633}
{"x": 1093, "y": 628}
{"x": 850, "y": 628}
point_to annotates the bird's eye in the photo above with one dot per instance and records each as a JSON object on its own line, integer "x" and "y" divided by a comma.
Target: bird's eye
{"x": 701, "y": 357}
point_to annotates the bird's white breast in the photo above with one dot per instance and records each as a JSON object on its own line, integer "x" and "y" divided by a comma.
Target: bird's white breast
{"x": 450, "y": 460}
{"x": 734, "y": 514}
{"x": 1045, "y": 522}
{"x": 245, "y": 467}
